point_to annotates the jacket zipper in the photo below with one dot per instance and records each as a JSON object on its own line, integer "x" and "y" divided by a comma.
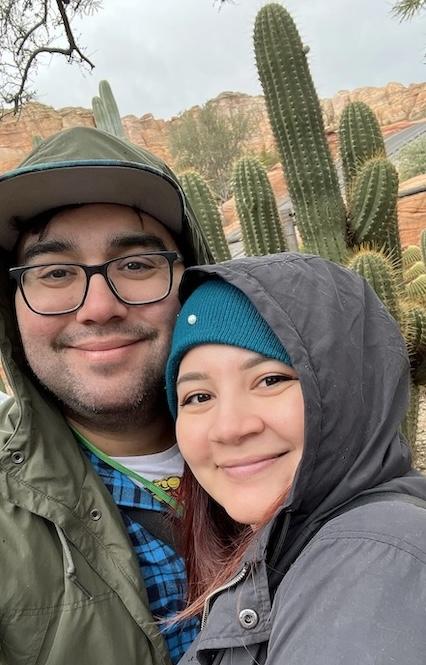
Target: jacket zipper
{"x": 232, "y": 582}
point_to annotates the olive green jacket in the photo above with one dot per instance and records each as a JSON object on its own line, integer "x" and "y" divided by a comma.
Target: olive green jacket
{"x": 70, "y": 587}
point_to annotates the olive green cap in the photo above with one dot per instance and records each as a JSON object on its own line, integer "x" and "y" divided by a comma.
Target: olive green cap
{"x": 86, "y": 165}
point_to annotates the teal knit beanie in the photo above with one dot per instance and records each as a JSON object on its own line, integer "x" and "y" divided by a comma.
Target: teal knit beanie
{"x": 219, "y": 313}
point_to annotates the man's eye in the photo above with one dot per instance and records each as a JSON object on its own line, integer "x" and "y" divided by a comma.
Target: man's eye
{"x": 134, "y": 266}
{"x": 140, "y": 263}
{"x": 56, "y": 273}
{"x": 196, "y": 398}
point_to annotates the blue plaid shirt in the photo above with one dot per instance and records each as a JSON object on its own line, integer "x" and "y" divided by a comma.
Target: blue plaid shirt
{"x": 161, "y": 568}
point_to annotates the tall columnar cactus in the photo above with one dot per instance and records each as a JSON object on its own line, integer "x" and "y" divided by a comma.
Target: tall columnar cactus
{"x": 360, "y": 140}
{"x": 105, "y": 111}
{"x": 370, "y": 180}
{"x": 296, "y": 120}
{"x": 372, "y": 208}
{"x": 372, "y": 201}
{"x": 206, "y": 210}
{"x": 257, "y": 210}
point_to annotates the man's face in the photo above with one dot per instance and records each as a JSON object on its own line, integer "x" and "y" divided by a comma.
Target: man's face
{"x": 105, "y": 361}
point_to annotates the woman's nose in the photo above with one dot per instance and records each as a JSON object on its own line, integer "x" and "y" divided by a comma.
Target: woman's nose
{"x": 234, "y": 421}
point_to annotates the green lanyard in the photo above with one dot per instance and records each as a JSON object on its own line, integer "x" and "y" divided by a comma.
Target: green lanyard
{"x": 158, "y": 492}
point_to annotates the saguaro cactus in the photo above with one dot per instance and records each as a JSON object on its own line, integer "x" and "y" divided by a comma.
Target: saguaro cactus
{"x": 372, "y": 207}
{"x": 371, "y": 182}
{"x": 260, "y": 223}
{"x": 360, "y": 140}
{"x": 207, "y": 213}
{"x": 105, "y": 111}
{"x": 296, "y": 120}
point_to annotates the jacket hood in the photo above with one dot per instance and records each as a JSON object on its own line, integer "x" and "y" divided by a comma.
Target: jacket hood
{"x": 353, "y": 368}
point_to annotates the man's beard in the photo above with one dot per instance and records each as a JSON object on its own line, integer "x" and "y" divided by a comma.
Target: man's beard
{"x": 145, "y": 405}
{"x": 136, "y": 405}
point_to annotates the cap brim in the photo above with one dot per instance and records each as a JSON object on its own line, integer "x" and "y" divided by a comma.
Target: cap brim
{"x": 30, "y": 191}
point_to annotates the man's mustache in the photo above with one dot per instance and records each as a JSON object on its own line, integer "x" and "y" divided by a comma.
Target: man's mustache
{"x": 128, "y": 333}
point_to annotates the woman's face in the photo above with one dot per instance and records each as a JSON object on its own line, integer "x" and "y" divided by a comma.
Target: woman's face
{"x": 240, "y": 427}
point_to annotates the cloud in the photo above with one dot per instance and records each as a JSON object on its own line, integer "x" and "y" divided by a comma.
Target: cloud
{"x": 164, "y": 56}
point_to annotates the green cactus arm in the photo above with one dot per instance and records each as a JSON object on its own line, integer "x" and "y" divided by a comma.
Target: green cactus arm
{"x": 373, "y": 199}
{"x": 102, "y": 119}
{"x": 257, "y": 210}
{"x": 296, "y": 120}
{"x": 207, "y": 212}
{"x": 111, "y": 108}
{"x": 373, "y": 207}
{"x": 360, "y": 139}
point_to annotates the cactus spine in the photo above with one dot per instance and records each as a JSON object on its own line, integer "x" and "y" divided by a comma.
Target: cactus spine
{"x": 296, "y": 120}
{"x": 204, "y": 205}
{"x": 105, "y": 111}
{"x": 257, "y": 210}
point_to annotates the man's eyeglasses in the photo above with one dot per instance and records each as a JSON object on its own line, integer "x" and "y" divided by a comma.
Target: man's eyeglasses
{"x": 61, "y": 288}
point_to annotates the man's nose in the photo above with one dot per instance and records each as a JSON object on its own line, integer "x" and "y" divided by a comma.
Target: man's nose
{"x": 235, "y": 421}
{"x": 100, "y": 304}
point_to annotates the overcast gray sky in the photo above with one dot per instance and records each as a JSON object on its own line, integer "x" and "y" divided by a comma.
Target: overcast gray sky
{"x": 164, "y": 56}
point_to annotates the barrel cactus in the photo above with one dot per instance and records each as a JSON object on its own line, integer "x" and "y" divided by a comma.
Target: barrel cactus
{"x": 379, "y": 272}
{"x": 414, "y": 271}
{"x": 257, "y": 210}
{"x": 410, "y": 256}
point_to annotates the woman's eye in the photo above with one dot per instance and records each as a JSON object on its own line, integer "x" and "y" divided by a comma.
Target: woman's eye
{"x": 196, "y": 398}
{"x": 273, "y": 379}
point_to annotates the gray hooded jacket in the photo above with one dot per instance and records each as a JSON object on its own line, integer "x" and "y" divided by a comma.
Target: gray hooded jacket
{"x": 352, "y": 589}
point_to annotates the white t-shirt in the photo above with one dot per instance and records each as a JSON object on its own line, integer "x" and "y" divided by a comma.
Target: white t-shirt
{"x": 164, "y": 469}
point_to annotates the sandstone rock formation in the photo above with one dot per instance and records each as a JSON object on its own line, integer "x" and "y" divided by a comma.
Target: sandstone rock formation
{"x": 394, "y": 103}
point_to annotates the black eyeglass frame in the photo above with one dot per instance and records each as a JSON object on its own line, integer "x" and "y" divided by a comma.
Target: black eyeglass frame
{"x": 18, "y": 272}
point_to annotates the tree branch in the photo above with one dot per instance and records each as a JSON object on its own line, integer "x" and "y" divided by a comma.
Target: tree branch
{"x": 30, "y": 28}
{"x": 33, "y": 29}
